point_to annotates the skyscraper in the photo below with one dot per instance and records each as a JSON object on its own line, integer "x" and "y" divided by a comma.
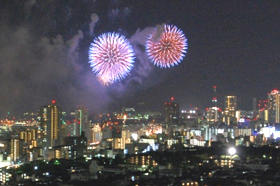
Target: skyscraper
{"x": 213, "y": 111}
{"x": 42, "y": 128}
{"x": 171, "y": 112}
{"x": 14, "y": 149}
{"x": 230, "y": 109}
{"x": 53, "y": 125}
{"x": 82, "y": 119}
{"x": 274, "y": 106}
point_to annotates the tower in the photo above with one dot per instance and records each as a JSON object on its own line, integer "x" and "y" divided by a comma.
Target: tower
{"x": 53, "y": 124}
{"x": 213, "y": 111}
{"x": 230, "y": 109}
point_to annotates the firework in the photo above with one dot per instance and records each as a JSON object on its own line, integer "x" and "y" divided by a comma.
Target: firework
{"x": 111, "y": 57}
{"x": 167, "y": 46}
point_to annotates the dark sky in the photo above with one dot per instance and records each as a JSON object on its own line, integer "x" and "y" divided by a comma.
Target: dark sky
{"x": 44, "y": 52}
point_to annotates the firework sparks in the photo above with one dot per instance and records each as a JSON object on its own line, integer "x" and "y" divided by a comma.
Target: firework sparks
{"x": 111, "y": 57}
{"x": 167, "y": 46}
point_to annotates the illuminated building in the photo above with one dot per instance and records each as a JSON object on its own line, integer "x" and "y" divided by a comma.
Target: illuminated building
{"x": 95, "y": 133}
{"x": 129, "y": 113}
{"x": 142, "y": 160}
{"x": 263, "y": 111}
{"x": 72, "y": 125}
{"x": 273, "y": 106}
{"x": 29, "y": 137}
{"x": 171, "y": 112}
{"x": 189, "y": 183}
{"x": 230, "y": 109}
{"x": 190, "y": 117}
{"x": 225, "y": 162}
{"x": 266, "y": 116}
{"x": 82, "y": 119}
{"x": 15, "y": 149}
{"x": 42, "y": 128}
{"x": 212, "y": 113}
{"x": 75, "y": 147}
{"x": 53, "y": 125}
{"x": 5, "y": 176}
{"x": 119, "y": 143}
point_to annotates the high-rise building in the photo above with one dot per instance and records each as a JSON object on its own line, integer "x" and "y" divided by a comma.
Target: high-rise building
{"x": 72, "y": 125}
{"x": 76, "y": 146}
{"x": 29, "y": 137}
{"x": 15, "y": 149}
{"x": 82, "y": 119}
{"x": 213, "y": 112}
{"x": 53, "y": 125}
{"x": 42, "y": 128}
{"x": 230, "y": 109}
{"x": 254, "y": 104}
{"x": 171, "y": 112}
{"x": 96, "y": 133}
{"x": 273, "y": 106}
{"x": 263, "y": 111}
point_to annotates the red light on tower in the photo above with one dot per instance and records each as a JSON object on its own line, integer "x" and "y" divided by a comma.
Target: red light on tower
{"x": 172, "y": 98}
{"x": 53, "y": 101}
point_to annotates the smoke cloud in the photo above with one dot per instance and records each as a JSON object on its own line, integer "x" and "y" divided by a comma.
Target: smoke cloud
{"x": 94, "y": 19}
{"x": 34, "y": 70}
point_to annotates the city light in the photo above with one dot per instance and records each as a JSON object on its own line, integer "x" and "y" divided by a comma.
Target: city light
{"x": 103, "y": 93}
{"x": 134, "y": 136}
{"x": 232, "y": 151}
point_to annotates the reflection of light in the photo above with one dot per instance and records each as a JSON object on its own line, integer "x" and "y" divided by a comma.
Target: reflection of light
{"x": 232, "y": 151}
{"x": 2, "y": 145}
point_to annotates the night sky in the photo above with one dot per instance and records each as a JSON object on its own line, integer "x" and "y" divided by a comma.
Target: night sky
{"x": 44, "y": 52}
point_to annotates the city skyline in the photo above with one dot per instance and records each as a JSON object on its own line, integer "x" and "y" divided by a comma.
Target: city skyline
{"x": 139, "y": 92}
{"x": 232, "y": 45}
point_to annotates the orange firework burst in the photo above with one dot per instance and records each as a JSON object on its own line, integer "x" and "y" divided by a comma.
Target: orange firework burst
{"x": 167, "y": 46}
